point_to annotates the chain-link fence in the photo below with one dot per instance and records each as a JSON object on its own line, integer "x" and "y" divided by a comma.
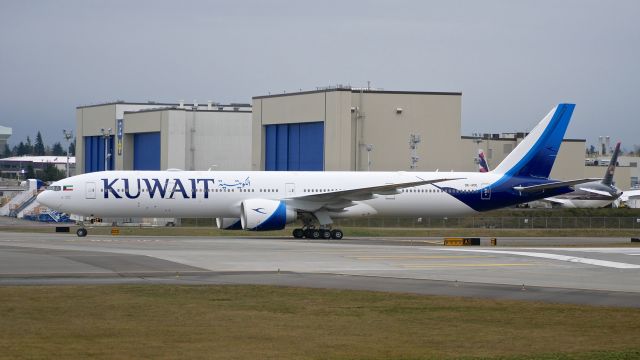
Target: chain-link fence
{"x": 497, "y": 222}
{"x": 477, "y": 222}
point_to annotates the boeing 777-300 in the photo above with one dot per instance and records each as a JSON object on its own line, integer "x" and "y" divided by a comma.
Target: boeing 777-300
{"x": 269, "y": 200}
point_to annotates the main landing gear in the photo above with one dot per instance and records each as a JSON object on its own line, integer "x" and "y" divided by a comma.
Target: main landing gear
{"x": 313, "y": 233}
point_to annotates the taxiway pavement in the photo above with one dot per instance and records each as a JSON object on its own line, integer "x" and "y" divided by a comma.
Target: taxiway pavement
{"x": 541, "y": 269}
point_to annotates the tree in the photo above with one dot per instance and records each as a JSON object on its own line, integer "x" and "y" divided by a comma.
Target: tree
{"x": 38, "y": 147}
{"x": 28, "y": 147}
{"x": 51, "y": 173}
{"x": 20, "y": 149}
{"x": 7, "y": 151}
{"x": 72, "y": 148}
{"x": 30, "y": 174}
{"x": 57, "y": 150}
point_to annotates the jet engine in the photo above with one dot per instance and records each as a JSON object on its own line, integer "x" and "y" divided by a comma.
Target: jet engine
{"x": 263, "y": 214}
{"x": 228, "y": 223}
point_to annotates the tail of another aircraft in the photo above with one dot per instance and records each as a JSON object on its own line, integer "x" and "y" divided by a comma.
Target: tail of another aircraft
{"x": 534, "y": 156}
{"x": 483, "y": 167}
{"x": 608, "y": 175}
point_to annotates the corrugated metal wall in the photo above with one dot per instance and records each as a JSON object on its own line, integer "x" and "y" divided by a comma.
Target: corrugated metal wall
{"x": 94, "y": 153}
{"x": 146, "y": 151}
{"x": 294, "y": 147}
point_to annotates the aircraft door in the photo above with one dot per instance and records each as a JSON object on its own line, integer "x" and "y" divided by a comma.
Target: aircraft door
{"x": 290, "y": 189}
{"x": 485, "y": 193}
{"x": 90, "y": 190}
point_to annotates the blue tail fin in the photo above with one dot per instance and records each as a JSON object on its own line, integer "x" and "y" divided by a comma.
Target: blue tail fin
{"x": 535, "y": 155}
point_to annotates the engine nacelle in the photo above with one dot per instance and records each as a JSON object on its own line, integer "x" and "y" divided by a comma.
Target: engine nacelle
{"x": 263, "y": 214}
{"x": 229, "y": 223}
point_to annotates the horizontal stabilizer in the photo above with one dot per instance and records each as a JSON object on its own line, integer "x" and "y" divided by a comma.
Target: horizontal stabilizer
{"x": 553, "y": 185}
{"x": 598, "y": 192}
{"x": 557, "y": 200}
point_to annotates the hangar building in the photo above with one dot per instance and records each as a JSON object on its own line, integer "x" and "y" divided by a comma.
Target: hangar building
{"x": 333, "y": 129}
{"x": 155, "y": 136}
{"x": 342, "y": 128}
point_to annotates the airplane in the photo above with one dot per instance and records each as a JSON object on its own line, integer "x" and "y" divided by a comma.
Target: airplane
{"x": 269, "y": 200}
{"x": 483, "y": 167}
{"x": 627, "y": 196}
{"x": 594, "y": 194}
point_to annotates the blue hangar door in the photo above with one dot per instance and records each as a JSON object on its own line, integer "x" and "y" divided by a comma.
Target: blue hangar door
{"x": 294, "y": 147}
{"x": 94, "y": 153}
{"x": 146, "y": 151}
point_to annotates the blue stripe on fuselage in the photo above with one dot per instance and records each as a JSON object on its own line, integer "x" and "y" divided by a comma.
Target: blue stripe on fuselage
{"x": 503, "y": 195}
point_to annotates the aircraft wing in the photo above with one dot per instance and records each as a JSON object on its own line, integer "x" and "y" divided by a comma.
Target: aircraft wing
{"x": 338, "y": 200}
{"x": 553, "y": 185}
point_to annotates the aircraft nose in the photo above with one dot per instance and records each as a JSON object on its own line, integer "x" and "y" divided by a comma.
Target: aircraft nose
{"x": 44, "y": 198}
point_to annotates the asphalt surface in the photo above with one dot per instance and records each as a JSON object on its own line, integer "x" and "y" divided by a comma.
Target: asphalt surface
{"x": 539, "y": 269}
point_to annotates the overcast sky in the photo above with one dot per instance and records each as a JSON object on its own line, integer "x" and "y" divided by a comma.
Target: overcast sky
{"x": 512, "y": 60}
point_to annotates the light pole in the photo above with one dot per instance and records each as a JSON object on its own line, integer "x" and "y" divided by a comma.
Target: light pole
{"x": 106, "y": 135}
{"x": 68, "y": 135}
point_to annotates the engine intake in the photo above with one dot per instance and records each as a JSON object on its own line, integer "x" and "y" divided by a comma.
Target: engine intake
{"x": 263, "y": 214}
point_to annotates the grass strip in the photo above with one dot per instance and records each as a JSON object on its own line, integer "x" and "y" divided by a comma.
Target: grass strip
{"x": 266, "y": 322}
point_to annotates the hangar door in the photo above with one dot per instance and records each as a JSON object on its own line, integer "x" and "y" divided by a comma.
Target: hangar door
{"x": 94, "y": 156}
{"x": 146, "y": 151}
{"x": 294, "y": 147}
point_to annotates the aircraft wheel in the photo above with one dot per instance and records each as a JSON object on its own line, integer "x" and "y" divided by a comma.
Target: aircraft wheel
{"x": 312, "y": 234}
{"x": 336, "y": 234}
{"x": 325, "y": 234}
{"x": 82, "y": 232}
{"x": 298, "y": 233}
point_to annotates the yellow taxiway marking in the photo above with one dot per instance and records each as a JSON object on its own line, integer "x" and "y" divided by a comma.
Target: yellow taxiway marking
{"x": 453, "y": 265}
{"x": 391, "y": 257}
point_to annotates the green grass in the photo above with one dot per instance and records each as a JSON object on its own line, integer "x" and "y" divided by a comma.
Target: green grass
{"x": 259, "y": 322}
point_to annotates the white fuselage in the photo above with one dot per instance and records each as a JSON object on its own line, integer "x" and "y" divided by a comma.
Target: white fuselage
{"x": 220, "y": 194}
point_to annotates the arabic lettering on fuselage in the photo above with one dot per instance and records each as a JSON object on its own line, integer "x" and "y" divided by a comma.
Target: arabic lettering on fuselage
{"x": 166, "y": 188}
{"x": 236, "y": 184}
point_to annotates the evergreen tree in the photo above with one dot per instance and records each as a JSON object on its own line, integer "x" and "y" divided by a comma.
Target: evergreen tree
{"x": 51, "y": 173}
{"x": 72, "y": 148}
{"x": 7, "y": 151}
{"x": 30, "y": 174}
{"x": 57, "y": 150}
{"x": 38, "y": 147}
{"x": 21, "y": 149}
{"x": 28, "y": 147}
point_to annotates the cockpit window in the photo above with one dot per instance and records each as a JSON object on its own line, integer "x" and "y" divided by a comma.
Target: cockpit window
{"x": 54, "y": 188}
